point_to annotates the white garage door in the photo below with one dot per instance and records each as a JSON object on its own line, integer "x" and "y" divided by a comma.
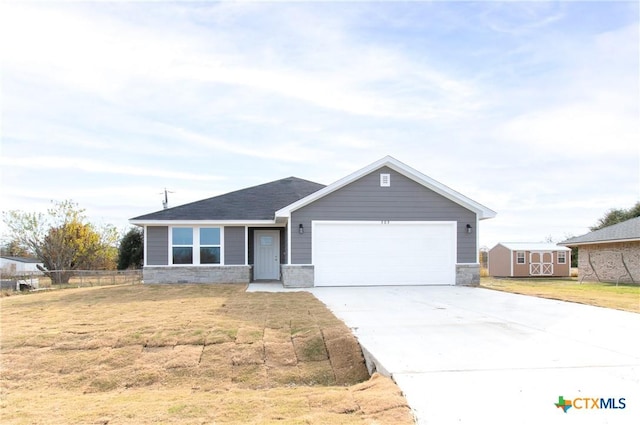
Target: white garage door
{"x": 356, "y": 253}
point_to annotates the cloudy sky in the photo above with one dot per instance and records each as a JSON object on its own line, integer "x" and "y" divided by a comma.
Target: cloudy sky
{"x": 529, "y": 108}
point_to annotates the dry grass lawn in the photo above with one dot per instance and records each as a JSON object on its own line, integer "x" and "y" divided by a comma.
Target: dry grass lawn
{"x": 622, "y": 297}
{"x": 185, "y": 354}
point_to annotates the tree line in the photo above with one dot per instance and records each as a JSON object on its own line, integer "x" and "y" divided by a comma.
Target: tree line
{"x": 64, "y": 240}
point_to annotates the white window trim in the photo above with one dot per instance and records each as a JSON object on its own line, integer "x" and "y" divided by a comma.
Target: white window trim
{"x": 196, "y": 246}
{"x": 524, "y": 257}
{"x": 564, "y": 257}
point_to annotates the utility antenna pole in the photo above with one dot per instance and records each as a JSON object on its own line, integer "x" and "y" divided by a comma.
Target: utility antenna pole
{"x": 165, "y": 203}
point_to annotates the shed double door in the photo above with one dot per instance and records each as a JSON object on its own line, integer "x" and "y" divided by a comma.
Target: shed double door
{"x": 541, "y": 264}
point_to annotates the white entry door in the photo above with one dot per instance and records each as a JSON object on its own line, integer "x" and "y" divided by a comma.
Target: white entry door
{"x": 266, "y": 254}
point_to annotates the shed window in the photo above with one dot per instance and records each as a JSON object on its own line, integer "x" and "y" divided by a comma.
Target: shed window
{"x": 519, "y": 257}
{"x": 562, "y": 257}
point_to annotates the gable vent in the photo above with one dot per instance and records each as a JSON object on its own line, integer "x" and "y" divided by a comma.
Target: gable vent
{"x": 385, "y": 180}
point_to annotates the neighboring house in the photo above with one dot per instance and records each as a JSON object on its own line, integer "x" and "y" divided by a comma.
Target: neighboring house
{"x": 386, "y": 224}
{"x": 523, "y": 259}
{"x": 19, "y": 272}
{"x": 16, "y": 265}
{"x": 610, "y": 254}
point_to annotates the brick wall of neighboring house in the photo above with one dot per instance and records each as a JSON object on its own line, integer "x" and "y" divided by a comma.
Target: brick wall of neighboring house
{"x": 607, "y": 261}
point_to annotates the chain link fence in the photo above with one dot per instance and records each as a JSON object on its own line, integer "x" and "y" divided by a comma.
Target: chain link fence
{"x": 30, "y": 281}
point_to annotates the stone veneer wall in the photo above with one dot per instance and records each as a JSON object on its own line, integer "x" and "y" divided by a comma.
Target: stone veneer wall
{"x": 606, "y": 259}
{"x": 297, "y": 276}
{"x": 303, "y": 276}
{"x": 216, "y": 274}
{"x": 468, "y": 274}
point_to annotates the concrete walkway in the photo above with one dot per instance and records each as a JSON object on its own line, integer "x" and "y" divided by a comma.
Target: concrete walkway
{"x": 475, "y": 356}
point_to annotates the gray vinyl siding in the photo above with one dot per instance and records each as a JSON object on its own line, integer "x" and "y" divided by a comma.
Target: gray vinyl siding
{"x": 234, "y": 249}
{"x": 157, "y": 245}
{"x": 364, "y": 199}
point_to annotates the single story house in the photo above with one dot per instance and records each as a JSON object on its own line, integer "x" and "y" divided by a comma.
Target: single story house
{"x": 16, "y": 265}
{"x": 524, "y": 259}
{"x": 385, "y": 224}
{"x": 610, "y": 254}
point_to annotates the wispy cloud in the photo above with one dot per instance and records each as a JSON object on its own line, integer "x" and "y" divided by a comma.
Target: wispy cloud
{"x": 89, "y": 165}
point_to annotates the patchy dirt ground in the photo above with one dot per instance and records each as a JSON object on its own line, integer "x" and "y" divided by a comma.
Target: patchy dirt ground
{"x": 185, "y": 354}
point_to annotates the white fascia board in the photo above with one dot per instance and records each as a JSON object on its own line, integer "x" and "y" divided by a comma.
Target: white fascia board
{"x": 599, "y": 242}
{"x": 388, "y": 161}
{"x": 206, "y": 222}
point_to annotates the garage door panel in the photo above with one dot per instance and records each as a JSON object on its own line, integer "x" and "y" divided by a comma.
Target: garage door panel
{"x": 372, "y": 253}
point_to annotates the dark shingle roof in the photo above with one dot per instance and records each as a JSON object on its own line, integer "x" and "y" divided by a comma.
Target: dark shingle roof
{"x": 626, "y": 231}
{"x": 254, "y": 203}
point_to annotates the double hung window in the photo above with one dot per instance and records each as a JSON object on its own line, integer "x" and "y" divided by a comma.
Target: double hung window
{"x": 200, "y": 245}
{"x": 182, "y": 248}
{"x": 209, "y": 245}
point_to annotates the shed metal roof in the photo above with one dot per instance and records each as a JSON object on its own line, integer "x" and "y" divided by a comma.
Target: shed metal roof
{"x": 533, "y": 246}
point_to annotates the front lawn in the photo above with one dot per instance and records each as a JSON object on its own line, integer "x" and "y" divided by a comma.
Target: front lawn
{"x": 184, "y": 354}
{"x": 622, "y": 297}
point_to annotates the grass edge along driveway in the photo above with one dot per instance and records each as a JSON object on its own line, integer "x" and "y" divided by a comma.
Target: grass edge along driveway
{"x": 620, "y": 297}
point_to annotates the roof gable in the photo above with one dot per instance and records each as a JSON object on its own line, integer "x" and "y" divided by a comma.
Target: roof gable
{"x": 254, "y": 203}
{"x": 621, "y": 232}
{"x": 392, "y": 163}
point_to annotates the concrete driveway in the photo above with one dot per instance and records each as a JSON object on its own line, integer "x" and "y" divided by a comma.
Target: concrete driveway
{"x": 475, "y": 356}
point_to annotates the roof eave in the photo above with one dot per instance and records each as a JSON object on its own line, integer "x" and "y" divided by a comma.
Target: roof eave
{"x": 566, "y": 243}
{"x": 176, "y": 222}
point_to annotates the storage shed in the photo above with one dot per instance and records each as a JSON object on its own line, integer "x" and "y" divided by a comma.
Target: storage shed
{"x": 525, "y": 259}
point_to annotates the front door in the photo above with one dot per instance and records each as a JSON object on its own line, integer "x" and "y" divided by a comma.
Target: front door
{"x": 266, "y": 254}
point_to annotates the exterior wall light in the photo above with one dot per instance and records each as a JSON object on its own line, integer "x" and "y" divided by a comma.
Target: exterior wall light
{"x": 300, "y": 228}
{"x": 469, "y": 228}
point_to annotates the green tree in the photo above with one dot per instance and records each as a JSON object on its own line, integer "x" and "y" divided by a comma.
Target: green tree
{"x": 131, "y": 251}
{"x": 617, "y": 215}
{"x": 63, "y": 240}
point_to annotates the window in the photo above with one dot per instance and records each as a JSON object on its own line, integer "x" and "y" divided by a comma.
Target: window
{"x": 519, "y": 257}
{"x": 209, "y": 245}
{"x": 562, "y": 257}
{"x": 200, "y": 245}
{"x": 182, "y": 245}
